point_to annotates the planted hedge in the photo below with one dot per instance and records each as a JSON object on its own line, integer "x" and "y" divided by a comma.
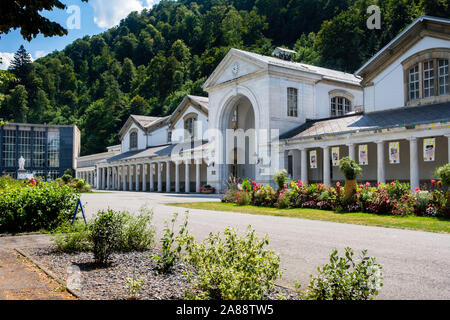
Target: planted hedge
{"x": 34, "y": 206}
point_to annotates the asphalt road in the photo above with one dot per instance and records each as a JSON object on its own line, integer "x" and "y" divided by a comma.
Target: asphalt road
{"x": 415, "y": 264}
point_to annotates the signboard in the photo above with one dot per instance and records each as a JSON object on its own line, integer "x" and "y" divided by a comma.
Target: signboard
{"x": 335, "y": 156}
{"x": 24, "y": 175}
{"x": 313, "y": 159}
{"x": 429, "y": 149}
{"x": 394, "y": 152}
{"x": 363, "y": 155}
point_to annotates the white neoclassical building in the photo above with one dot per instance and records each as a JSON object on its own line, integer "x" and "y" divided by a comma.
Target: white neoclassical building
{"x": 264, "y": 113}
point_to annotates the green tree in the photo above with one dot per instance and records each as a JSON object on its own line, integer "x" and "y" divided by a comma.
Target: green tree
{"x": 127, "y": 75}
{"x": 17, "y": 104}
{"x": 26, "y": 15}
{"x": 139, "y": 106}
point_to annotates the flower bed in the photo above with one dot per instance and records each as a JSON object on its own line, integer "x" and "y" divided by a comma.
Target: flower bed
{"x": 393, "y": 198}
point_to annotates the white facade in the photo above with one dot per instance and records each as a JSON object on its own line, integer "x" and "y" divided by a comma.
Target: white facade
{"x": 312, "y": 110}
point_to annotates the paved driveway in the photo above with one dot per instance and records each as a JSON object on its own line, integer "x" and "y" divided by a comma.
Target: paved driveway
{"x": 416, "y": 264}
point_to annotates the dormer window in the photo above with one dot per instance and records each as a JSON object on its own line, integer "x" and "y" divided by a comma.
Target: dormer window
{"x": 427, "y": 77}
{"x": 133, "y": 140}
{"x": 340, "y": 106}
{"x": 189, "y": 127}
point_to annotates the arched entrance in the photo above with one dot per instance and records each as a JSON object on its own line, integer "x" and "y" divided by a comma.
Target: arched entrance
{"x": 238, "y": 132}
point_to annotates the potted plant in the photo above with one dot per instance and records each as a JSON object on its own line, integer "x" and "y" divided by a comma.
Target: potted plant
{"x": 351, "y": 170}
{"x": 207, "y": 189}
{"x": 443, "y": 174}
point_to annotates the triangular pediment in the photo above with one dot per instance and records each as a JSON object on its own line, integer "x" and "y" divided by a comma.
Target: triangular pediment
{"x": 235, "y": 65}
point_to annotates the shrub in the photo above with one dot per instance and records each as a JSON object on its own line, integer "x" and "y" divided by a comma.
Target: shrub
{"x": 349, "y": 168}
{"x": 346, "y": 279}
{"x": 242, "y": 198}
{"x": 443, "y": 174}
{"x": 138, "y": 233}
{"x": 264, "y": 196}
{"x": 66, "y": 178}
{"x": 233, "y": 268}
{"x": 134, "y": 285}
{"x": 283, "y": 201}
{"x": 171, "y": 245}
{"x": 281, "y": 179}
{"x": 246, "y": 185}
{"x": 32, "y": 208}
{"x": 72, "y": 238}
{"x": 105, "y": 234}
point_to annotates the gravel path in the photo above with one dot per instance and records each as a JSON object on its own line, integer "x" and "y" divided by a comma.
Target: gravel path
{"x": 109, "y": 283}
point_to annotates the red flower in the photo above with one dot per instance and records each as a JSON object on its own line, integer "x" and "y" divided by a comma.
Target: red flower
{"x": 417, "y": 189}
{"x": 285, "y": 186}
{"x": 392, "y": 184}
{"x": 440, "y": 184}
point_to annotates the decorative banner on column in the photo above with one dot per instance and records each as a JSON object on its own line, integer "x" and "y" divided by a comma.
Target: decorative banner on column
{"x": 335, "y": 156}
{"x": 429, "y": 147}
{"x": 394, "y": 152}
{"x": 363, "y": 155}
{"x": 313, "y": 159}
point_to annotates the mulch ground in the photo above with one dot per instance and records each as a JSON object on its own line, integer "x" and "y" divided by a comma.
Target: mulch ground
{"x": 80, "y": 273}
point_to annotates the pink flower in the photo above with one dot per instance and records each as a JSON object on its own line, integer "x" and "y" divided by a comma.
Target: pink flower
{"x": 285, "y": 186}
{"x": 392, "y": 184}
{"x": 338, "y": 184}
{"x": 300, "y": 182}
{"x": 433, "y": 182}
{"x": 367, "y": 184}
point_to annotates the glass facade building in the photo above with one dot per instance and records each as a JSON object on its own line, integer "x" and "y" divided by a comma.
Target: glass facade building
{"x": 48, "y": 150}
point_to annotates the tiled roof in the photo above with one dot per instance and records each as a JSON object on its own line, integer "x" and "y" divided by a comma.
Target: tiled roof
{"x": 159, "y": 151}
{"x": 203, "y": 101}
{"x": 326, "y": 73}
{"x": 144, "y": 121}
{"x": 370, "y": 121}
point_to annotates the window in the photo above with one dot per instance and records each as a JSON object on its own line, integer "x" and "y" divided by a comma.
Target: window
{"x": 413, "y": 83}
{"x": 189, "y": 127}
{"x": 133, "y": 140}
{"x": 169, "y": 136}
{"x": 234, "y": 119}
{"x": 52, "y": 175}
{"x": 9, "y": 148}
{"x": 39, "y": 149}
{"x": 53, "y": 149}
{"x": 340, "y": 106}
{"x": 292, "y": 100}
{"x": 25, "y": 146}
{"x": 428, "y": 79}
{"x": 443, "y": 77}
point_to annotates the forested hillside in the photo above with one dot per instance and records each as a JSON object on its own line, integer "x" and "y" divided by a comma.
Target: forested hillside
{"x": 153, "y": 58}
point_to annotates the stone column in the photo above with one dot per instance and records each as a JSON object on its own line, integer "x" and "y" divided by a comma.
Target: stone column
{"x": 326, "y": 165}
{"x": 130, "y": 177}
{"x": 108, "y": 178}
{"x": 380, "y": 162}
{"x": 159, "y": 177}
{"x": 117, "y": 178}
{"x": 124, "y": 178}
{"x": 138, "y": 176}
{"x": 144, "y": 177}
{"x": 448, "y": 138}
{"x": 187, "y": 182}
{"x": 304, "y": 166}
{"x": 104, "y": 178}
{"x": 177, "y": 176}
{"x": 98, "y": 185}
{"x": 152, "y": 182}
{"x": 168, "y": 189}
{"x": 351, "y": 151}
{"x": 197, "y": 176}
{"x": 414, "y": 163}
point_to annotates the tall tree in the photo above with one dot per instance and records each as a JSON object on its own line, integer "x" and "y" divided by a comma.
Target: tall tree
{"x": 26, "y": 15}
{"x": 18, "y": 105}
{"x": 21, "y": 65}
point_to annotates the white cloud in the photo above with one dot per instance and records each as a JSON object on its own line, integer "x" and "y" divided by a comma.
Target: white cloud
{"x": 6, "y": 59}
{"x": 39, "y": 54}
{"x": 108, "y": 13}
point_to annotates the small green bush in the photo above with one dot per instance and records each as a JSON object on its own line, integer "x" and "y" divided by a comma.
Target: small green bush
{"x": 231, "y": 268}
{"x": 443, "y": 174}
{"x": 72, "y": 238}
{"x": 349, "y": 168}
{"x": 66, "y": 178}
{"x": 105, "y": 234}
{"x": 138, "y": 233}
{"x": 246, "y": 185}
{"x": 242, "y": 198}
{"x": 346, "y": 279}
{"x": 171, "y": 245}
{"x": 281, "y": 179}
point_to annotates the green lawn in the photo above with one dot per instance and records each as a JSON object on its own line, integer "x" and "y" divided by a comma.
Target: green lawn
{"x": 430, "y": 224}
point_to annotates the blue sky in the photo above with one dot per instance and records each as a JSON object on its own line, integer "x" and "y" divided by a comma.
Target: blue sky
{"x": 95, "y": 17}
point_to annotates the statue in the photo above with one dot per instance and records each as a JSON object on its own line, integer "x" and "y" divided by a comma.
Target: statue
{"x": 21, "y": 163}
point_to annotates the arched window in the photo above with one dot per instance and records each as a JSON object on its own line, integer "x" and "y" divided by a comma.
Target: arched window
{"x": 340, "y": 106}
{"x": 133, "y": 140}
{"x": 189, "y": 127}
{"x": 427, "y": 76}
